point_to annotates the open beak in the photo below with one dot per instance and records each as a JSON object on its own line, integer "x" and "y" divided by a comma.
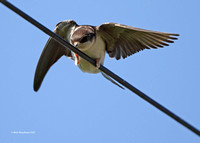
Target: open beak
{"x": 77, "y": 59}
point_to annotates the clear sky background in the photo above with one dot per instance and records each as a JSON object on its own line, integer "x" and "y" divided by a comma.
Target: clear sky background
{"x": 76, "y": 107}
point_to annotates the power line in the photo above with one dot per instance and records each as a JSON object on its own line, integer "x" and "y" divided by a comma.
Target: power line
{"x": 102, "y": 68}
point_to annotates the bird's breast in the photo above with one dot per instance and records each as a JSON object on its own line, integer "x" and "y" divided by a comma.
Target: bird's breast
{"x": 97, "y": 51}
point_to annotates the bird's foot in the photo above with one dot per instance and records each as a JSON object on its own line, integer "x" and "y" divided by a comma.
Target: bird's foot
{"x": 98, "y": 63}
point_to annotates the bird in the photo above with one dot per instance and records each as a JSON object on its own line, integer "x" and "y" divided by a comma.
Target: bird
{"x": 117, "y": 40}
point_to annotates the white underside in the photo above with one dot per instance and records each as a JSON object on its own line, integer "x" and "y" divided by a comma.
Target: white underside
{"x": 97, "y": 51}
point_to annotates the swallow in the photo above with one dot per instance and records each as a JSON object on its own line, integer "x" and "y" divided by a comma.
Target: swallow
{"x": 118, "y": 40}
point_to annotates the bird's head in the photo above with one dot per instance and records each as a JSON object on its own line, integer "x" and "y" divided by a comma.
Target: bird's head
{"x": 83, "y": 37}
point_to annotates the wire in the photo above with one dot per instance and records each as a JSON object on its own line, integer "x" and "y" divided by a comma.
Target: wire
{"x": 102, "y": 68}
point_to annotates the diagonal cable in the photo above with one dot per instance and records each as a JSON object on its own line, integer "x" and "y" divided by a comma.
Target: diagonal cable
{"x": 102, "y": 68}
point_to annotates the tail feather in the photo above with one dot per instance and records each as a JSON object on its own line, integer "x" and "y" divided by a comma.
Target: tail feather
{"x": 109, "y": 78}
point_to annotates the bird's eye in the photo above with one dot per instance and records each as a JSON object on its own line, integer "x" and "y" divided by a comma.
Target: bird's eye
{"x": 87, "y": 38}
{"x": 84, "y": 39}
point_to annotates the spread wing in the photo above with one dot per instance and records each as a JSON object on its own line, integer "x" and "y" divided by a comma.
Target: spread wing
{"x": 52, "y": 52}
{"x": 123, "y": 41}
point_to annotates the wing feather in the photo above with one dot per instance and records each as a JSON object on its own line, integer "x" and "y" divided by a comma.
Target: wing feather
{"x": 123, "y": 41}
{"x": 52, "y": 52}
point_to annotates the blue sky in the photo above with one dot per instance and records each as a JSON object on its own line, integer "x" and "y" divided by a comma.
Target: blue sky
{"x": 75, "y": 107}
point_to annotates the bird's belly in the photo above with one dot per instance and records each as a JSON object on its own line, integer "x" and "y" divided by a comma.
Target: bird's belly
{"x": 87, "y": 67}
{"x": 97, "y": 51}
